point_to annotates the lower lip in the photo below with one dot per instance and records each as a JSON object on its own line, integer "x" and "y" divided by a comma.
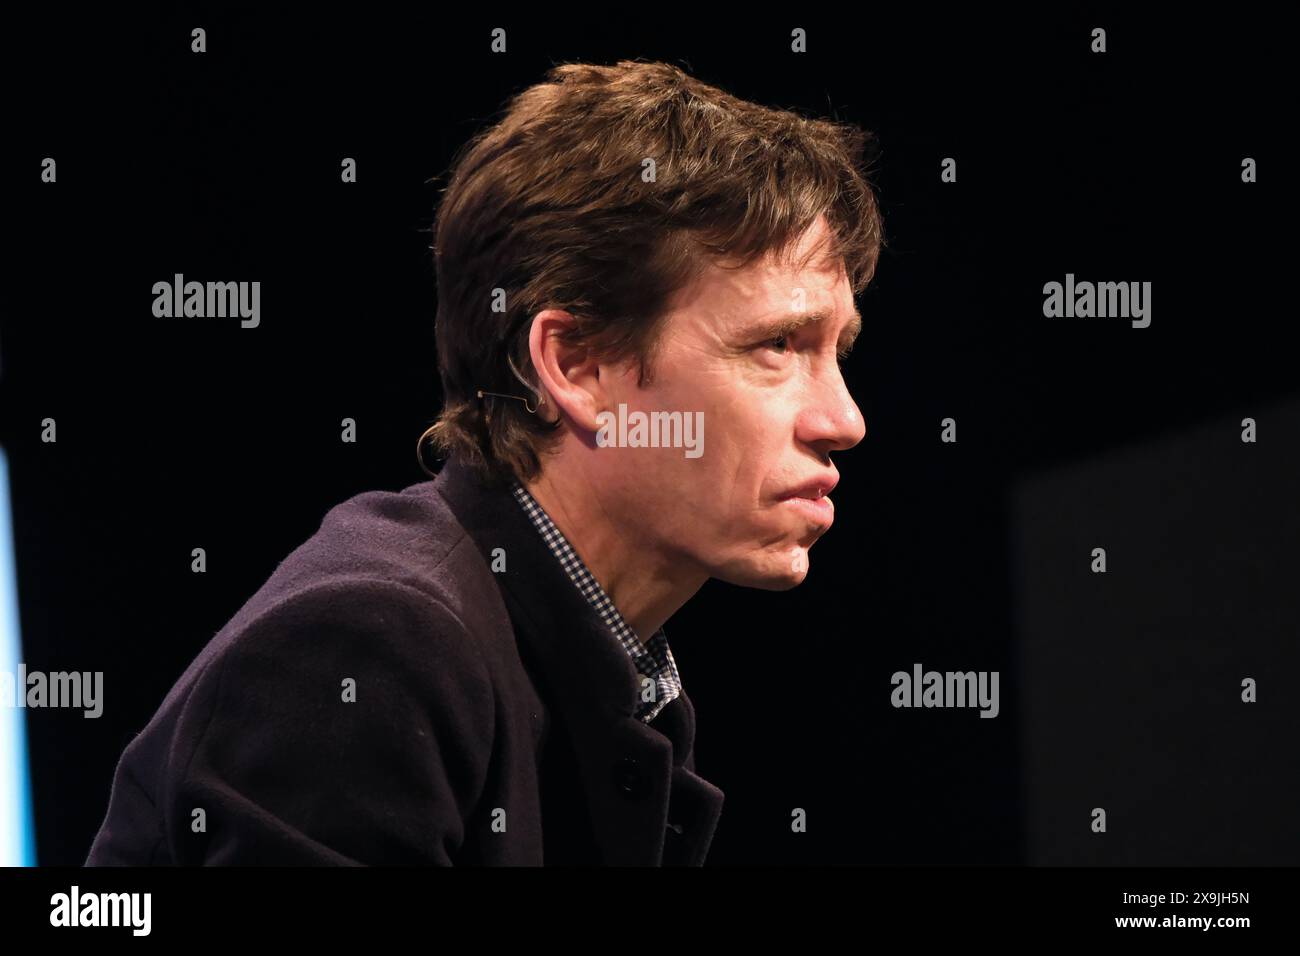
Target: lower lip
{"x": 820, "y": 510}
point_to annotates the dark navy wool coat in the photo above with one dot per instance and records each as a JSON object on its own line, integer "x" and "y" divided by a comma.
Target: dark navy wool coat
{"x": 493, "y": 721}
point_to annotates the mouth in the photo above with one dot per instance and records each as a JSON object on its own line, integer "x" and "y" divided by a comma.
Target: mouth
{"x": 819, "y": 510}
{"x": 812, "y": 499}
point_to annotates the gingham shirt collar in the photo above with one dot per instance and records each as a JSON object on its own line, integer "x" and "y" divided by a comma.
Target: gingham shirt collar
{"x": 652, "y": 659}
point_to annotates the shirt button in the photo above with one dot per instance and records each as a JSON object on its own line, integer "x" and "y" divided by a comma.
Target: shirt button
{"x": 630, "y": 779}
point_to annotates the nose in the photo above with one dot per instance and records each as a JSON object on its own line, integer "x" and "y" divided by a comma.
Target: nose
{"x": 831, "y": 419}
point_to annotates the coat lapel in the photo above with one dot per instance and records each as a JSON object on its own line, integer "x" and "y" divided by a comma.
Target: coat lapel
{"x": 629, "y": 769}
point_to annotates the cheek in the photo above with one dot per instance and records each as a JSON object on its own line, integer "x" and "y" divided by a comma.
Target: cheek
{"x": 746, "y": 438}
{"x": 725, "y": 491}
{"x": 746, "y": 431}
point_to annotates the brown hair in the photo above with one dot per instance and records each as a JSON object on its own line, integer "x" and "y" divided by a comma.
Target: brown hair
{"x": 552, "y": 207}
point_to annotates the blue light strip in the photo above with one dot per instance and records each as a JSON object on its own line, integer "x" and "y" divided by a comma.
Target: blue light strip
{"x": 17, "y": 834}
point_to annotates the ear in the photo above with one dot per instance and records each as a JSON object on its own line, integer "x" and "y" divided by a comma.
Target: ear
{"x": 569, "y": 376}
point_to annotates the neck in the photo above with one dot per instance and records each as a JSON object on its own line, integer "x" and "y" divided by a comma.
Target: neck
{"x": 645, "y": 585}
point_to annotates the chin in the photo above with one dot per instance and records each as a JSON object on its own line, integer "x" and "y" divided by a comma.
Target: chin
{"x": 772, "y": 571}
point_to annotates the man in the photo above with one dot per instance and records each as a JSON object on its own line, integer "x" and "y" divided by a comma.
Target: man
{"x": 645, "y": 290}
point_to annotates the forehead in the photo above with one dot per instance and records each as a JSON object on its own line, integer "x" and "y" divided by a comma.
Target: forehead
{"x": 801, "y": 278}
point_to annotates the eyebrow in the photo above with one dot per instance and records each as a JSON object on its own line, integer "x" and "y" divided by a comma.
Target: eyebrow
{"x": 790, "y": 323}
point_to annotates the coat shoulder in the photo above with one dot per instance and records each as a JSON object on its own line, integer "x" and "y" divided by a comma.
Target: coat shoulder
{"x": 378, "y": 643}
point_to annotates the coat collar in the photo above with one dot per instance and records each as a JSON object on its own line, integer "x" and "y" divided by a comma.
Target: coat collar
{"x": 639, "y": 778}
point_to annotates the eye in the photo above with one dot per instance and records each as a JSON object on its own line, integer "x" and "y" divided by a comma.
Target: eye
{"x": 778, "y": 342}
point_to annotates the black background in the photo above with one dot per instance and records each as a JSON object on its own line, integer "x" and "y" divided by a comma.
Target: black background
{"x": 1125, "y": 166}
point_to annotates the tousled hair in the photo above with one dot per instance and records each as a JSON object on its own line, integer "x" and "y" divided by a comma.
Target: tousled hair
{"x": 554, "y": 207}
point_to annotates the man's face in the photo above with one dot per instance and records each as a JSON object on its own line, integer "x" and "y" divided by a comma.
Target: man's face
{"x": 774, "y": 406}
